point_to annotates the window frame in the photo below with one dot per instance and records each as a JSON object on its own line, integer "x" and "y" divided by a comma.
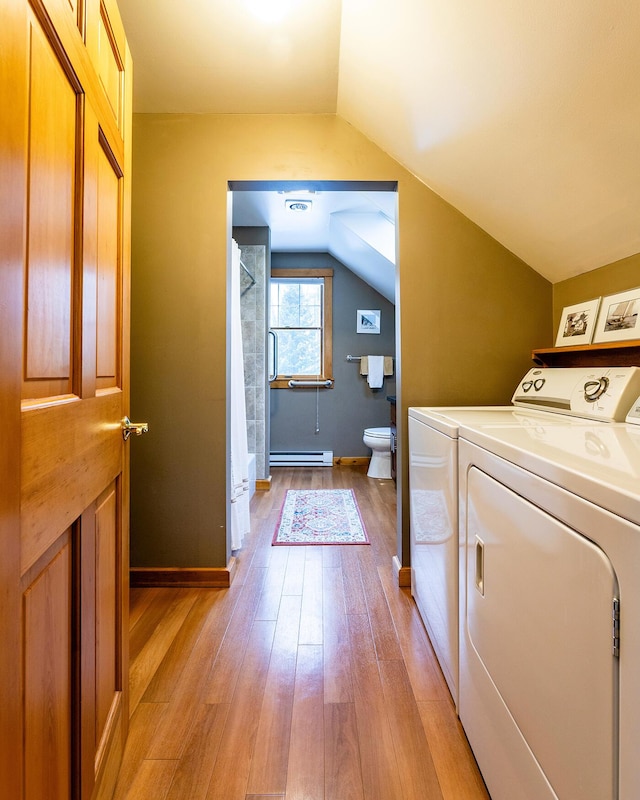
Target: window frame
{"x": 326, "y": 335}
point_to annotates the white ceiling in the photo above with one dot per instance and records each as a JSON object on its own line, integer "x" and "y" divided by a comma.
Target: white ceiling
{"x": 357, "y": 228}
{"x": 524, "y": 115}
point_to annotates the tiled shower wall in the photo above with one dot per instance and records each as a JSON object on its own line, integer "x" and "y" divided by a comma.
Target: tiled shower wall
{"x": 253, "y": 304}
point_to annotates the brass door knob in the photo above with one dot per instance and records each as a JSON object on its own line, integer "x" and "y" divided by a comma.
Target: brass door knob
{"x": 129, "y": 427}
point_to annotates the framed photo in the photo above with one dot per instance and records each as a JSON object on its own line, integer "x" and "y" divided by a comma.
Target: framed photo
{"x": 577, "y": 323}
{"x": 368, "y": 321}
{"x": 618, "y": 317}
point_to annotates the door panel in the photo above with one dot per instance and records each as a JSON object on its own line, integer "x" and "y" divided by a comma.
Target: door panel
{"x": 71, "y": 12}
{"x": 101, "y": 675}
{"x": 47, "y": 681}
{"x": 107, "y": 585}
{"x": 110, "y": 61}
{"x": 70, "y": 452}
{"x": 64, "y": 377}
{"x": 108, "y": 268}
{"x": 53, "y": 121}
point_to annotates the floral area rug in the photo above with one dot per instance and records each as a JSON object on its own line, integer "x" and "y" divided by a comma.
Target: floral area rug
{"x": 320, "y": 516}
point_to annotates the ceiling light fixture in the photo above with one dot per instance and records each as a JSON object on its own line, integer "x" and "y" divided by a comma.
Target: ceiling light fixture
{"x": 271, "y": 11}
{"x": 298, "y": 205}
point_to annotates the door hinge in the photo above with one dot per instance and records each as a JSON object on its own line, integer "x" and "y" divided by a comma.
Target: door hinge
{"x": 616, "y": 627}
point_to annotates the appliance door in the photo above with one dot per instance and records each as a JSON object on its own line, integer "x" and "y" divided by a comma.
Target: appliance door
{"x": 539, "y": 680}
{"x": 433, "y": 490}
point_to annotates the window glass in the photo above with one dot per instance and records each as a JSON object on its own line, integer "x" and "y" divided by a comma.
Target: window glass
{"x": 299, "y": 352}
{"x": 297, "y": 316}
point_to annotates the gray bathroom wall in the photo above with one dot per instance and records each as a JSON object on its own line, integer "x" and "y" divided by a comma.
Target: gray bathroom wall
{"x": 351, "y": 406}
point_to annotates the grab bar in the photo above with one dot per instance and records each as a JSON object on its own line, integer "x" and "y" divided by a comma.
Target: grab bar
{"x": 274, "y": 352}
{"x": 295, "y": 384}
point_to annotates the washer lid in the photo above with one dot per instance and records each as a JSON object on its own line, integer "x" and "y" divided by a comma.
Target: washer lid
{"x": 448, "y": 419}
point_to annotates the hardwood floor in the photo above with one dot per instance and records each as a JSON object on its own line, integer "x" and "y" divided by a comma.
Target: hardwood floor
{"x": 311, "y": 678}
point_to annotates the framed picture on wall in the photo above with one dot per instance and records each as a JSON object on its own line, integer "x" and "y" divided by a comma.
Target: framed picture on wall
{"x": 368, "y": 321}
{"x": 577, "y": 323}
{"x": 618, "y": 317}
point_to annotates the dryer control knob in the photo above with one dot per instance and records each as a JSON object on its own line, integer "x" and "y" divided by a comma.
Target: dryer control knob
{"x": 593, "y": 390}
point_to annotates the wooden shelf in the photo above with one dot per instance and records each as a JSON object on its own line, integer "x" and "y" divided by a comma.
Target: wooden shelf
{"x": 610, "y": 354}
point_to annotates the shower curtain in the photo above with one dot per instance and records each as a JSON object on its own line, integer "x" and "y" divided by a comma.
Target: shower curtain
{"x": 240, "y": 518}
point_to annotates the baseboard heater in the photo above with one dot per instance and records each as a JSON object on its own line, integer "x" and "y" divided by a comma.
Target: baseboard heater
{"x": 301, "y": 458}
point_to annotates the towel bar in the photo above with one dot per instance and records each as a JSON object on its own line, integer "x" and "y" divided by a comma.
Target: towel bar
{"x": 359, "y": 358}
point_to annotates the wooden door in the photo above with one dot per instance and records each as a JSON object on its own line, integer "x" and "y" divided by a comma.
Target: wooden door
{"x": 65, "y": 88}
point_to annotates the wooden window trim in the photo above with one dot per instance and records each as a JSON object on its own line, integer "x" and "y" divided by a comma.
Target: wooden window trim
{"x": 282, "y": 382}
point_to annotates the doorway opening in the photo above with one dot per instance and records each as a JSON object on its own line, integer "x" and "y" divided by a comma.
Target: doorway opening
{"x": 350, "y": 229}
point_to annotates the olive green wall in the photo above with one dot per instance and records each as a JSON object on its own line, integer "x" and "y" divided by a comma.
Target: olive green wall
{"x": 468, "y": 311}
{"x": 610, "y": 279}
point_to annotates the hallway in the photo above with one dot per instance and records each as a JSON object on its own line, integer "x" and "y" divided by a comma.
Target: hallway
{"x": 311, "y": 678}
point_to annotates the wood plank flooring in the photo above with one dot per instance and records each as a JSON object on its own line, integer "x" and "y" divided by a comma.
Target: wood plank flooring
{"x": 310, "y": 678}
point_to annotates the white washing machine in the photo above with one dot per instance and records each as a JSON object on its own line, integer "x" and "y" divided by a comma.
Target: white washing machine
{"x": 433, "y": 479}
{"x": 549, "y": 692}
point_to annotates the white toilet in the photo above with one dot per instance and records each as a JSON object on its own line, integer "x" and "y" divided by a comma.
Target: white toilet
{"x": 379, "y": 440}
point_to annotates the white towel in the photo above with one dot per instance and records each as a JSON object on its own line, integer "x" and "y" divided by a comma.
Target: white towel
{"x": 376, "y": 371}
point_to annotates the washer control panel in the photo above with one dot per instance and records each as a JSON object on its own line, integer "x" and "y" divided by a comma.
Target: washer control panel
{"x": 603, "y": 393}
{"x": 634, "y": 414}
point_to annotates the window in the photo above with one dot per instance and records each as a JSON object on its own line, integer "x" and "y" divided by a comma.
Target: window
{"x": 300, "y": 318}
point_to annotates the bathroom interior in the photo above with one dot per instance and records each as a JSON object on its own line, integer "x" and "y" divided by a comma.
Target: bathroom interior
{"x": 352, "y": 233}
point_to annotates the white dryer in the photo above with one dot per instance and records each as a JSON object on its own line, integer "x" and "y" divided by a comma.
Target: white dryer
{"x": 550, "y": 608}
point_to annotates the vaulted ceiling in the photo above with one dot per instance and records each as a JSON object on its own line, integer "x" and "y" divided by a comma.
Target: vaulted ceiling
{"x": 524, "y": 115}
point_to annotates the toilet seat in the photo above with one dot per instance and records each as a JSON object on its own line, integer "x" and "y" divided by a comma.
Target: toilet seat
{"x": 378, "y": 433}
